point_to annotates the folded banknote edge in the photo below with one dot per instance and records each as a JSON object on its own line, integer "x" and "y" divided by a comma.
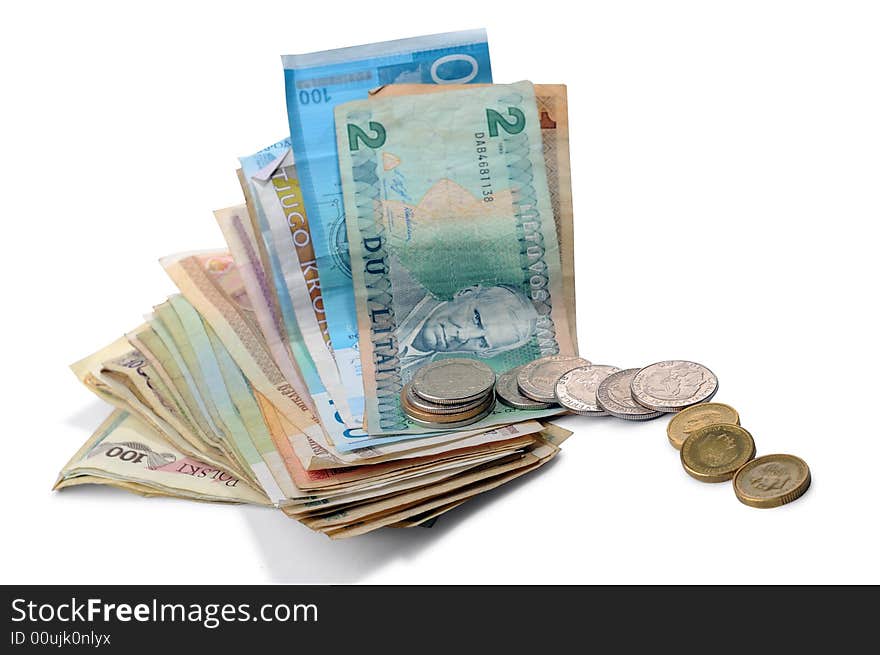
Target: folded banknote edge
{"x": 383, "y": 49}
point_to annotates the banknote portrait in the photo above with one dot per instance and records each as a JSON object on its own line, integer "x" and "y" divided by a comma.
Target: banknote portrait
{"x": 481, "y": 319}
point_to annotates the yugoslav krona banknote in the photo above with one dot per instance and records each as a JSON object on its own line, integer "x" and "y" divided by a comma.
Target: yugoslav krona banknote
{"x": 275, "y": 205}
{"x": 453, "y": 243}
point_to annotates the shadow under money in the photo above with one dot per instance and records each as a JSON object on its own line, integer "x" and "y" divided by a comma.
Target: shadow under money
{"x": 295, "y": 554}
{"x": 89, "y": 416}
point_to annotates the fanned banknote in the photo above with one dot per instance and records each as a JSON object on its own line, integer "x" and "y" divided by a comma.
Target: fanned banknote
{"x": 315, "y": 84}
{"x": 453, "y": 254}
{"x": 275, "y": 207}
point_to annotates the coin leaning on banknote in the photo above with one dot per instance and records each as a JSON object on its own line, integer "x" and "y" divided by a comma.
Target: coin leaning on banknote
{"x": 449, "y": 393}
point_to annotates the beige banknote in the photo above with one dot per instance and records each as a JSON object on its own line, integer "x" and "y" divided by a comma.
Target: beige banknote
{"x": 465, "y": 486}
{"x": 242, "y": 241}
{"x": 125, "y": 452}
{"x": 200, "y": 277}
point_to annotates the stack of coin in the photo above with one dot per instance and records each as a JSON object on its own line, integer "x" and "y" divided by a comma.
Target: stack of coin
{"x": 715, "y": 448}
{"x": 449, "y": 393}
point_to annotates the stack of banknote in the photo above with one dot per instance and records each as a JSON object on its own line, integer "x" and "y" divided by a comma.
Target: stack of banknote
{"x": 417, "y": 212}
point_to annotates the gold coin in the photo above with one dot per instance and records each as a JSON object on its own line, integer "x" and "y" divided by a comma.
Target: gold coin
{"x": 772, "y": 480}
{"x": 693, "y": 418}
{"x": 715, "y": 452}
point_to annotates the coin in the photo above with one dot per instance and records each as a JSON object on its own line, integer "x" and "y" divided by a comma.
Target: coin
{"x": 576, "y": 389}
{"x": 457, "y": 424}
{"x": 447, "y": 421}
{"x": 690, "y": 419}
{"x": 772, "y": 480}
{"x": 452, "y": 381}
{"x": 537, "y": 379}
{"x": 673, "y": 385}
{"x": 715, "y": 452}
{"x": 508, "y": 392}
{"x": 613, "y": 396}
{"x": 418, "y": 402}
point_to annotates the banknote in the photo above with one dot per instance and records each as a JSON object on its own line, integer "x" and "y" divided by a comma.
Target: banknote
{"x": 426, "y": 519}
{"x": 124, "y": 449}
{"x": 219, "y": 372}
{"x": 552, "y": 101}
{"x": 331, "y": 503}
{"x": 89, "y": 371}
{"x": 315, "y": 83}
{"x": 243, "y": 246}
{"x": 257, "y": 293}
{"x": 455, "y": 254}
{"x": 166, "y": 324}
{"x": 214, "y": 291}
{"x": 145, "y": 340}
{"x": 371, "y": 516}
{"x": 276, "y": 191}
{"x": 134, "y": 371}
{"x": 205, "y": 280}
{"x": 275, "y": 209}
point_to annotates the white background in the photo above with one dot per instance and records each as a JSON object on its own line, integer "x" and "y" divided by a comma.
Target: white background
{"x": 725, "y": 163}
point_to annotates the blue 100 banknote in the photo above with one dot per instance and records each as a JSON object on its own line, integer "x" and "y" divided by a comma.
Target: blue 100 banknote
{"x": 315, "y": 84}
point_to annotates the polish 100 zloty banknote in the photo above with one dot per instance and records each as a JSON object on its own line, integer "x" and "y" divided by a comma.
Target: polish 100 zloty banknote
{"x": 124, "y": 451}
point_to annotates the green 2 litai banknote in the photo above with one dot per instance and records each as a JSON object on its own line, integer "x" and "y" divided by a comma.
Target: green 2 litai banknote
{"x": 453, "y": 245}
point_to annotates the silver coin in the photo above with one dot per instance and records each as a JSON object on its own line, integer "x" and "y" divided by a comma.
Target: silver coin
{"x": 435, "y": 408}
{"x": 673, "y": 385}
{"x": 613, "y": 395}
{"x": 537, "y": 379}
{"x": 576, "y": 389}
{"x": 453, "y": 381}
{"x": 508, "y": 392}
{"x": 490, "y": 405}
